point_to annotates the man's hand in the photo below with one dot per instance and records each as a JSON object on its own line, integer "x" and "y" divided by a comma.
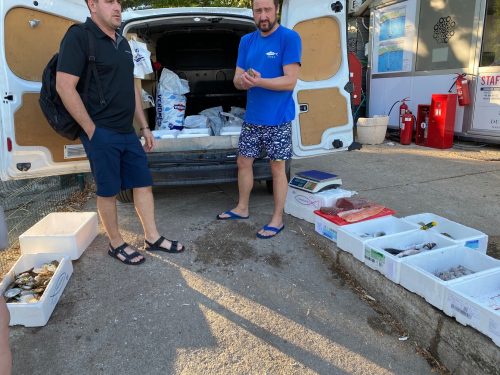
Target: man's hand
{"x": 149, "y": 139}
{"x": 250, "y": 79}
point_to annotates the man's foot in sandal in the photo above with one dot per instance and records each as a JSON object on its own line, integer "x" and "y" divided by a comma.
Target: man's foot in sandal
{"x": 131, "y": 257}
{"x": 163, "y": 244}
{"x": 268, "y": 231}
{"x": 231, "y": 215}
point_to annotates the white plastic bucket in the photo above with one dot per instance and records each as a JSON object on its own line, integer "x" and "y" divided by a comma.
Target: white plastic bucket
{"x": 371, "y": 131}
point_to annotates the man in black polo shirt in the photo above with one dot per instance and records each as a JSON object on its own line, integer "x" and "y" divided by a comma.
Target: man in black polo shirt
{"x": 116, "y": 156}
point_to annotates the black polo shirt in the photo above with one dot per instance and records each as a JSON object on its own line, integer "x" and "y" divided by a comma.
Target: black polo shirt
{"x": 116, "y": 72}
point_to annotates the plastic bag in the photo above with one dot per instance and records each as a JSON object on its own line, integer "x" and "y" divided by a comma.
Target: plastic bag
{"x": 215, "y": 121}
{"x": 170, "y": 101}
{"x": 170, "y": 110}
{"x": 170, "y": 82}
{"x": 147, "y": 98}
{"x": 231, "y": 120}
{"x": 142, "y": 59}
{"x": 196, "y": 122}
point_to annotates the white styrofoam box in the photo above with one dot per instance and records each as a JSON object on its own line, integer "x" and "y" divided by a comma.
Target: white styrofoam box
{"x": 37, "y": 314}
{"x": 325, "y": 227}
{"x": 476, "y": 303}
{"x": 230, "y": 130}
{"x": 352, "y": 237}
{"x": 67, "y": 233}
{"x": 390, "y": 265}
{"x": 165, "y": 133}
{"x": 461, "y": 234}
{"x": 418, "y": 273}
{"x": 194, "y": 132}
{"x": 302, "y": 204}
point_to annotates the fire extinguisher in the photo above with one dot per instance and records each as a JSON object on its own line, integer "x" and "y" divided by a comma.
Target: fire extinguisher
{"x": 463, "y": 92}
{"x": 406, "y": 129}
{"x": 403, "y": 109}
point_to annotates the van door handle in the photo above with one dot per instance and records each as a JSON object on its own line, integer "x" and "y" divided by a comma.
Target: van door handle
{"x": 304, "y": 108}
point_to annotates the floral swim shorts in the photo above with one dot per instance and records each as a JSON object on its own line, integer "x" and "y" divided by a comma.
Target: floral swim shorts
{"x": 275, "y": 140}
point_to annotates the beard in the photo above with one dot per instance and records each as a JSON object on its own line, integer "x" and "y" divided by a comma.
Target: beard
{"x": 266, "y": 26}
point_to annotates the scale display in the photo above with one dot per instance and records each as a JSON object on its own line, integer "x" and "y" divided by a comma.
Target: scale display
{"x": 314, "y": 181}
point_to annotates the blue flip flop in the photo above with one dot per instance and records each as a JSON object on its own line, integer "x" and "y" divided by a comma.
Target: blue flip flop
{"x": 270, "y": 229}
{"x": 231, "y": 216}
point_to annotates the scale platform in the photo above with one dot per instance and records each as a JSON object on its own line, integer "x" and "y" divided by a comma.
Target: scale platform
{"x": 314, "y": 181}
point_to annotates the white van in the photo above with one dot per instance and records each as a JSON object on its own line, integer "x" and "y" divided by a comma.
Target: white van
{"x": 200, "y": 45}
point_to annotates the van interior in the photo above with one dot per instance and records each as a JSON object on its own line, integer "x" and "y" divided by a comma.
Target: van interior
{"x": 201, "y": 50}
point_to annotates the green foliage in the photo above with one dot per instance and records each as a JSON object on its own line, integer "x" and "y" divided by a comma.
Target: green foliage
{"x": 186, "y": 3}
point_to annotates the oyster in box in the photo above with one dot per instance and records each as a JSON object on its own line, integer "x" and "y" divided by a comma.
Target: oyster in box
{"x": 33, "y": 287}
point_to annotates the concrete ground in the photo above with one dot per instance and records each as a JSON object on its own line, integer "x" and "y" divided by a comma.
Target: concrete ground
{"x": 234, "y": 304}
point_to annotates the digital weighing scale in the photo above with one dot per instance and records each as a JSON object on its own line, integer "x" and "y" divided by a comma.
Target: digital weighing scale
{"x": 314, "y": 181}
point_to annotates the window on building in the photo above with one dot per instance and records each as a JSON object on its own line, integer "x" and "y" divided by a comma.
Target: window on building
{"x": 490, "y": 51}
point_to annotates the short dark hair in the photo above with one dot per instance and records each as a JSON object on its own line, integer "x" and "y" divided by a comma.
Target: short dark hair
{"x": 276, "y": 4}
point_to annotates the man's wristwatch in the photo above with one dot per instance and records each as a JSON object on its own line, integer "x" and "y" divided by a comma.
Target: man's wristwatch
{"x": 144, "y": 128}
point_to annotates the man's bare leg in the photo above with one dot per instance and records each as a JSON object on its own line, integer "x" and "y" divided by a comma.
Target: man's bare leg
{"x": 145, "y": 207}
{"x": 280, "y": 188}
{"x": 245, "y": 185}
{"x": 109, "y": 218}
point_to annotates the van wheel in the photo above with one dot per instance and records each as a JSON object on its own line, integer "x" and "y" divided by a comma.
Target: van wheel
{"x": 125, "y": 196}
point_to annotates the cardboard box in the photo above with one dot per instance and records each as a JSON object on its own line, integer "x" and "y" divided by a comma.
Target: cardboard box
{"x": 37, "y": 314}
{"x": 68, "y": 233}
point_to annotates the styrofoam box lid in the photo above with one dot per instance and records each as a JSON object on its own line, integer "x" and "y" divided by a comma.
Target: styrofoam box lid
{"x": 195, "y": 131}
{"x": 443, "y": 259}
{"x": 181, "y": 135}
{"x": 458, "y": 231}
{"x": 59, "y": 224}
{"x": 406, "y": 239}
{"x": 388, "y": 224}
{"x": 479, "y": 287}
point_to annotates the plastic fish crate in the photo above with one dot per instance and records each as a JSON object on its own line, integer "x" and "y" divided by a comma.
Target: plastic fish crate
{"x": 418, "y": 273}
{"x": 351, "y": 238}
{"x": 326, "y": 228}
{"x": 67, "y": 233}
{"x": 460, "y": 234}
{"x": 302, "y": 204}
{"x": 37, "y": 314}
{"x": 476, "y": 303}
{"x": 389, "y": 265}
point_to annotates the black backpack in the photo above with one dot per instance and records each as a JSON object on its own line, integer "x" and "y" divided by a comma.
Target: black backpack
{"x": 52, "y": 105}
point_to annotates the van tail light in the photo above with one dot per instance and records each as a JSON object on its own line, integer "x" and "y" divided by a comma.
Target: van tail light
{"x": 9, "y": 144}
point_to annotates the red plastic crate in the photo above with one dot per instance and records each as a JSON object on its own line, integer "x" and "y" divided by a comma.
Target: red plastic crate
{"x": 339, "y": 221}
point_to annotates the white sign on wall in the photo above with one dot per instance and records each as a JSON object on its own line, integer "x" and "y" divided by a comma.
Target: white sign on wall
{"x": 487, "y": 103}
{"x": 393, "y": 38}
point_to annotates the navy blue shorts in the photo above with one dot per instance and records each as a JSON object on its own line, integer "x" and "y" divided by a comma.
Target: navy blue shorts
{"x": 275, "y": 140}
{"x": 117, "y": 161}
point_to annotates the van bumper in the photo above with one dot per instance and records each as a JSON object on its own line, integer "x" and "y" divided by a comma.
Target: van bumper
{"x": 200, "y": 168}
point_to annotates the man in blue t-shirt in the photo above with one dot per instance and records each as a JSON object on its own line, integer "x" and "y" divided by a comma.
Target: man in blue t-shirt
{"x": 267, "y": 67}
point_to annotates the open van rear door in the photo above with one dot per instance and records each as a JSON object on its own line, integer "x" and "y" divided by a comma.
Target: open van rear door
{"x": 324, "y": 119}
{"x": 31, "y": 32}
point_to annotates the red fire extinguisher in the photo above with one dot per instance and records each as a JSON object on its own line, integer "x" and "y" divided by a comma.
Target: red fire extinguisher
{"x": 463, "y": 92}
{"x": 406, "y": 129}
{"x": 403, "y": 109}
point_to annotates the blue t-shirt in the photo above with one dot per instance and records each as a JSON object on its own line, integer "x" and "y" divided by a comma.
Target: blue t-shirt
{"x": 268, "y": 55}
